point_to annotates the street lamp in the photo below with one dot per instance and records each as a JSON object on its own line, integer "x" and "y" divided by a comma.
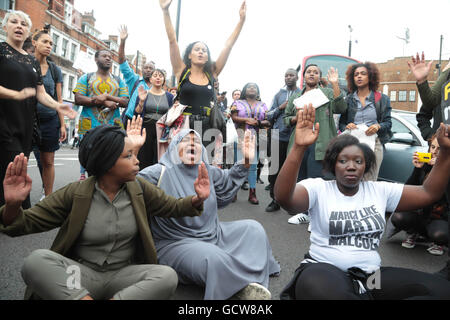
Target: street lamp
{"x": 350, "y": 41}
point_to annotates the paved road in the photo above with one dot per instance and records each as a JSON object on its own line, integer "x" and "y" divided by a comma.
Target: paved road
{"x": 289, "y": 242}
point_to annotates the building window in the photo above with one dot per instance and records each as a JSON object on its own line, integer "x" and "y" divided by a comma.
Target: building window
{"x": 73, "y": 52}
{"x": 5, "y": 4}
{"x": 402, "y": 96}
{"x": 412, "y": 96}
{"x": 65, "y": 44}
{"x": 71, "y": 81}
{"x": 55, "y": 43}
{"x": 393, "y": 95}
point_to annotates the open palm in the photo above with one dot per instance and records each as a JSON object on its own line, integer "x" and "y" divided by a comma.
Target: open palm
{"x": 123, "y": 30}
{"x": 165, "y": 4}
{"x": 333, "y": 75}
{"x": 306, "y": 133}
{"x": 201, "y": 184}
{"x": 142, "y": 93}
{"x": 135, "y": 133}
{"x": 248, "y": 147}
{"x": 419, "y": 67}
{"x": 17, "y": 184}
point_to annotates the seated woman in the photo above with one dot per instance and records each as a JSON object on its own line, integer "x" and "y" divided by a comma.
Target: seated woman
{"x": 104, "y": 248}
{"x": 432, "y": 221}
{"x": 347, "y": 220}
{"x": 224, "y": 257}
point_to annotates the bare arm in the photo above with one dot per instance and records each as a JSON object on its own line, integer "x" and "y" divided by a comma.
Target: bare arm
{"x": 415, "y": 197}
{"x": 62, "y": 130}
{"x": 44, "y": 98}
{"x": 223, "y": 57}
{"x": 6, "y": 93}
{"x": 291, "y": 196}
{"x": 123, "y": 38}
{"x": 175, "y": 55}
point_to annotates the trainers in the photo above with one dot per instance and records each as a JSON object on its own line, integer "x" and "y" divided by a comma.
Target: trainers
{"x": 254, "y": 291}
{"x": 82, "y": 177}
{"x": 436, "y": 250}
{"x": 410, "y": 241}
{"x": 300, "y": 218}
{"x": 43, "y": 195}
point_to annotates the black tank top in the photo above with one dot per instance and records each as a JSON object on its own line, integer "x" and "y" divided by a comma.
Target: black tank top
{"x": 196, "y": 96}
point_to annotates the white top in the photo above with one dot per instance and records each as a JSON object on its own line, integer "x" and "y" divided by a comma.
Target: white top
{"x": 346, "y": 231}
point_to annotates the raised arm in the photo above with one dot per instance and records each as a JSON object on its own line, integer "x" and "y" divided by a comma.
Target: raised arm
{"x": 290, "y": 195}
{"x": 123, "y": 38}
{"x": 175, "y": 55}
{"x": 415, "y": 197}
{"x": 223, "y": 57}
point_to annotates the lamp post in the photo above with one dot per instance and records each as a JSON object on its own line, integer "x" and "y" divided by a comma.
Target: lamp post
{"x": 350, "y": 41}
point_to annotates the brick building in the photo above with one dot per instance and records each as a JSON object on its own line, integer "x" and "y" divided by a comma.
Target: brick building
{"x": 399, "y": 83}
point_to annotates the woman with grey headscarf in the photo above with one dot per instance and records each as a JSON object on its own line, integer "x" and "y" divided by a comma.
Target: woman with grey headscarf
{"x": 227, "y": 258}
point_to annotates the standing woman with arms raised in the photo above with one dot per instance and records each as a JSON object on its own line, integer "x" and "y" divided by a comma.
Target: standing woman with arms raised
{"x": 196, "y": 71}
{"x": 18, "y": 93}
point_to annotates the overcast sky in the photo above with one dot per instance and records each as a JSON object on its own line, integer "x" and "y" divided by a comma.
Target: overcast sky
{"x": 278, "y": 34}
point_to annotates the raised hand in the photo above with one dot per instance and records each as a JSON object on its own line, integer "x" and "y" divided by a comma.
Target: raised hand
{"x": 333, "y": 75}
{"x": 242, "y": 10}
{"x": 201, "y": 184}
{"x": 135, "y": 133}
{"x": 165, "y": 4}
{"x": 419, "y": 67}
{"x": 67, "y": 110}
{"x": 17, "y": 184}
{"x": 249, "y": 146}
{"x": 142, "y": 93}
{"x": 123, "y": 30}
{"x": 304, "y": 133}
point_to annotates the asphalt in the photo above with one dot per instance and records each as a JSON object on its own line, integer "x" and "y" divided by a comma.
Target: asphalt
{"x": 289, "y": 242}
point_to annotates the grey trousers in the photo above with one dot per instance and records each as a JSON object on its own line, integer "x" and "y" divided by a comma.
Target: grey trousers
{"x": 55, "y": 277}
{"x": 373, "y": 175}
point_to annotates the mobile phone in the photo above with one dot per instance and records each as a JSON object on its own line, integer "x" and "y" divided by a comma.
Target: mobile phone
{"x": 424, "y": 157}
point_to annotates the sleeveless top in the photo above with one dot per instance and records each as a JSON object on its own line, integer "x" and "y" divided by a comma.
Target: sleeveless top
{"x": 196, "y": 96}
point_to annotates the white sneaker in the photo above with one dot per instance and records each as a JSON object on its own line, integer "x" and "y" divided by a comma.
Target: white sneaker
{"x": 254, "y": 291}
{"x": 43, "y": 195}
{"x": 300, "y": 218}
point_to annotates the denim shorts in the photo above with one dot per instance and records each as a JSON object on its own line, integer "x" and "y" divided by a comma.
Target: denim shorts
{"x": 49, "y": 134}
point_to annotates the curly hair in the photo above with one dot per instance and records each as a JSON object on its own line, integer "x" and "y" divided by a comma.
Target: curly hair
{"x": 341, "y": 142}
{"x": 209, "y": 66}
{"x": 374, "y": 76}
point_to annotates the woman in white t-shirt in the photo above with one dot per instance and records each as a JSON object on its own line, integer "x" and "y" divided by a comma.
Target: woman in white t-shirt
{"x": 347, "y": 220}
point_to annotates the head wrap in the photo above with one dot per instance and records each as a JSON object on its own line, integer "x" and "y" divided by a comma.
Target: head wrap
{"x": 100, "y": 148}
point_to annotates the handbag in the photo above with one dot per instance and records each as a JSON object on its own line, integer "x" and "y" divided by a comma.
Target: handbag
{"x": 36, "y": 139}
{"x": 216, "y": 118}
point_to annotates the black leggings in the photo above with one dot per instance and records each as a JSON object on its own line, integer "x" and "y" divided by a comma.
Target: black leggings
{"x": 323, "y": 281}
{"x": 411, "y": 222}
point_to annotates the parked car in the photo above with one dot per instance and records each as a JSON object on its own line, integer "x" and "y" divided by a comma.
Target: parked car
{"x": 397, "y": 161}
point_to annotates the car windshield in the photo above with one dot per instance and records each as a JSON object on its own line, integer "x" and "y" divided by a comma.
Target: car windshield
{"x": 410, "y": 117}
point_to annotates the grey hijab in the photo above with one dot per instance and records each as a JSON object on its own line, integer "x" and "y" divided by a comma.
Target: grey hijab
{"x": 178, "y": 181}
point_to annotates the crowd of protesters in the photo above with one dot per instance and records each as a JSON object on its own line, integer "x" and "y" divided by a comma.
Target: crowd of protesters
{"x": 148, "y": 173}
